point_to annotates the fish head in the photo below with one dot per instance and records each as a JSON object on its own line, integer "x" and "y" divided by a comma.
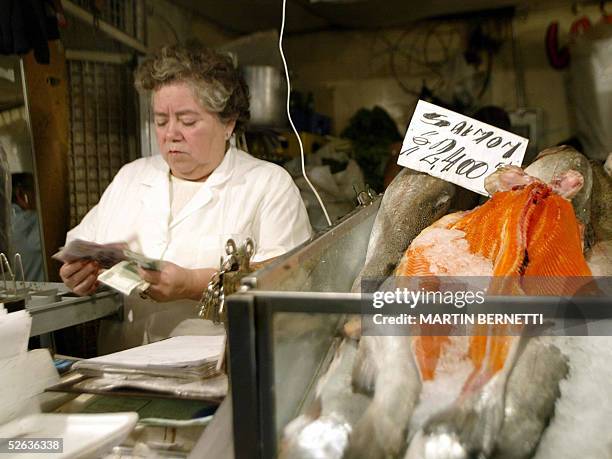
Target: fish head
{"x": 567, "y": 183}
{"x": 507, "y": 178}
{"x": 555, "y": 150}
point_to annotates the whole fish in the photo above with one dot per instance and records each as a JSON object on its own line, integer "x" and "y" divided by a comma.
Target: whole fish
{"x": 411, "y": 203}
{"x": 527, "y": 406}
{"x": 385, "y": 367}
{"x": 601, "y": 203}
{"x": 528, "y": 228}
{"x": 470, "y": 427}
{"x": 599, "y": 258}
{"x": 531, "y": 393}
{"x": 323, "y": 433}
{"x": 556, "y": 160}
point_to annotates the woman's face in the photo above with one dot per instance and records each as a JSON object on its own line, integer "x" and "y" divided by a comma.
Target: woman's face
{"x": 191, "y": 139}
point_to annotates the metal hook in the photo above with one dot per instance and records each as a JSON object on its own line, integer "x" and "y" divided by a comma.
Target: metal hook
{"x": 4, "y": 261}
{"x": 371, "y": 193}
{"x": 230, "y": 247}
{"x": 19, "y": 264}
{"x": 249, "y": 247}
{"x": 3, "y": 275}
{"x": 364, "y": 198}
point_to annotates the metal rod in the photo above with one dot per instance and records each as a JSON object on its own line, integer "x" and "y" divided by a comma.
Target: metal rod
{"x": 109, "y": 153}
{"x": 123, "y": 122}
{"x": 72, "y": 153}
{"x": 97, "y": 56}
{"x": 3, "y": 274}
{"x": 96, "y": 80}
{"x": 8, "y": 266}
{"x": 86, "y": 101}
{"x": 26, "y": 103}
{"x": 105, "y": 27}
{"x": 19, "y": 265}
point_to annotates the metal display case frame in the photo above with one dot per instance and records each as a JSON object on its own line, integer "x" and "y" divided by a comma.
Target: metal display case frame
{"x": 250, "y": 329}
{"x": 275, "y": 291}
{"x": 252, "y": 350}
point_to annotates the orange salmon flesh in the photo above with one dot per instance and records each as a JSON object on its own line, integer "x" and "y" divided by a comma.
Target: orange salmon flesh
{"x": 524, "y": 232}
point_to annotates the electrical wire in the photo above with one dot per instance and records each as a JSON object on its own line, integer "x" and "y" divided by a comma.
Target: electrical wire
{"x": 280, "y": 47}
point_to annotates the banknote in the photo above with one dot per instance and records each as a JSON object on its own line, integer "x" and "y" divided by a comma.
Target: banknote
{"x": 142, "y": 261}
{"x": 124, "y": 278}
{"x": 106, "y": 255}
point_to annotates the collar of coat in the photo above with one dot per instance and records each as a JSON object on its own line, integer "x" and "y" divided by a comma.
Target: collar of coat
{"x": 161, "y": 171}
{"x": 157, "y": 178}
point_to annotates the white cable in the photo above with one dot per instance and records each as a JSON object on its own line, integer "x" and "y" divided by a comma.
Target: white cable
{"x": 280, "y": 47}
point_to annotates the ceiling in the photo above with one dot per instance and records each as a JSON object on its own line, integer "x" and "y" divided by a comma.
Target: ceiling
{"x": 248, "y": 16}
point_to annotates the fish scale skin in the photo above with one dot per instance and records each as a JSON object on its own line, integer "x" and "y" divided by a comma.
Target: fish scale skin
{"x": 411, "y": 203}
{"x": 532, "y": 390}
{"x": 556, "y": 160}
{"x": 527, "y": 222}
{"x": 526, "y": 231}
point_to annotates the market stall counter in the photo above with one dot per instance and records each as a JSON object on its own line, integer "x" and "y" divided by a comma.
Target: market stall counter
{"x": 267, "y": 394}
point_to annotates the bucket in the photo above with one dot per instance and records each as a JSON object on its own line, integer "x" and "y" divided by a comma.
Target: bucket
{"x": 268, "y": 91}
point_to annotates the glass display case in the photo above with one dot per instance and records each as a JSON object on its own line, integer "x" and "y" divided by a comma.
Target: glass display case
{"x": 284, "y": 328}
{"x": 278, "y": 344}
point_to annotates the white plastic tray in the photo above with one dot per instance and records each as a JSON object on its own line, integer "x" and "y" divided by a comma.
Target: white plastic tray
{"x": 84, "y": 435}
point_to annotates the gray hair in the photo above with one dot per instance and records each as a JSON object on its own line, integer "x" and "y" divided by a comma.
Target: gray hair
{"x": 216, "y": 82}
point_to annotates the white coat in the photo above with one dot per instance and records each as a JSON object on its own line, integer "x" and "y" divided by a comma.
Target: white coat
{"x": 243, "y": 197}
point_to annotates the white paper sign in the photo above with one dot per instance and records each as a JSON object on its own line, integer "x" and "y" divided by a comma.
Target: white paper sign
{"x": 457, "y": 148}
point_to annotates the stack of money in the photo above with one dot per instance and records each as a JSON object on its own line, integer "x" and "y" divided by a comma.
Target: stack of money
{"x": 121, "y": 263}
{"x": 124, "y": 278}
{"x": 142, "y": 261}
{"x": 106, "y": 255}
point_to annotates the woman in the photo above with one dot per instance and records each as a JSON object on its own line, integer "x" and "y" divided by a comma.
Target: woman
{"x": 181, "y": 206}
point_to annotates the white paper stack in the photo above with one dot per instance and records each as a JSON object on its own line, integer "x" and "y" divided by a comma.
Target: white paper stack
{"x": 24, "y": 374}
{"x": 184, "y": 365}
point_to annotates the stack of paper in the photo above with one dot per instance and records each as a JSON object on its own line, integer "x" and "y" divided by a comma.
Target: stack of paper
{"x": 184, "y": 365}
{"x": 14, "y": 333}
{"x": 24, "y": 374}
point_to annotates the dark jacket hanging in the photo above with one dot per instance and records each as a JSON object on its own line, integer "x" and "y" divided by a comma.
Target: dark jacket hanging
{"x": 26, "y": 25}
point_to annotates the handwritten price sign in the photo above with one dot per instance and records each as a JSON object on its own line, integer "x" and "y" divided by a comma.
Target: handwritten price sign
{"x": 457, "y": 148}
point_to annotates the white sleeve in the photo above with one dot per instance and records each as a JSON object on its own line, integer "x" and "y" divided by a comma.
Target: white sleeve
{"x": 85, "y": 230}
{"x": 282, "y": 222}
{"x": 89, "y": 227}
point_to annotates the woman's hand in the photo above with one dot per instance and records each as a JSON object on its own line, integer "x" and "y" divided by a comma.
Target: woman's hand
{"x": 175, "y": 283}
{"x": 81, "y": 276}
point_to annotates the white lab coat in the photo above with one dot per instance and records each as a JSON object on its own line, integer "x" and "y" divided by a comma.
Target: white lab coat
{"x": 244, "y": 196}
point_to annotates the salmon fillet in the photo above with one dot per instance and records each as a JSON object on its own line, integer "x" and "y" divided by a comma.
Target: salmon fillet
{"x": 524, "y": 232}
